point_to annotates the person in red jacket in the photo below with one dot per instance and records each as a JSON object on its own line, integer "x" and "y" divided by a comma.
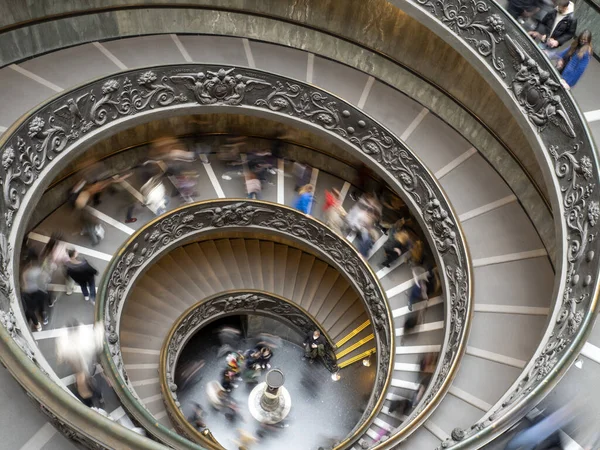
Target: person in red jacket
{"x": 332, "y": 198}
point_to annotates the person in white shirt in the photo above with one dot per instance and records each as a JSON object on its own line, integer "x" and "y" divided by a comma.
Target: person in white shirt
{"x": 558, "y": 26}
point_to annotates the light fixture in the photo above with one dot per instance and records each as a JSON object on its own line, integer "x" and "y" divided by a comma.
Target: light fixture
{"x": 335, "y": 376}
{"x": 579, "y": 363}
{"x": 367, "y": 361}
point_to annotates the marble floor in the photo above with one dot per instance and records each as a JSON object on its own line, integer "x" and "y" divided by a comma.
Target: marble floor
{"x": 323, "y": 411}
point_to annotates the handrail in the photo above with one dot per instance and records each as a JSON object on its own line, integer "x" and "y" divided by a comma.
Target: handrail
{"x": 576, "y": 170}
{"x": 192, "y": 221}
{"x": 489, "y": 38}
{"x": 63, "y": 410}
{"x": 43, "y": 142}
{"x": 197, "y": 316}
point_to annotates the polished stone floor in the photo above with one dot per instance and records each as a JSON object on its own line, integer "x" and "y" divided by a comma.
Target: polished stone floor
{"x": 323, "y": 411}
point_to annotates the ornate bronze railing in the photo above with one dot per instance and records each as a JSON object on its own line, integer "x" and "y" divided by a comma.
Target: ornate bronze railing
{"x": 41, "y": 144}
{"x": 197, "y": 220}
{"x": 214, "y": 307}
{"x": 526, "y": 81}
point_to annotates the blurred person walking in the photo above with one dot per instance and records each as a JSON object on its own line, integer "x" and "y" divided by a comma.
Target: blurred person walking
{"x": 305, "y": 198}
{"x": 253, "y": 186}
{"x": 425, "y": 283}
{"x": 34, "y": 291}
{"x": 216, "y": 394}
{"x": 80, "y": 346}
{"x": 229, "y": 338}
{"x": 245, "y": 440}
{"x": 301, "y": 173}
{"x": 574, "y": 60}
{"x": 54, "y": 257}
{"x": 197, "y": 417}
{"x": 333, "y": 212}
{"x": 532, "y": 437}
{"x": 82, "y": 272}
{"x": 332, "y": 199}
{"x": 87, "y": 390}
{"x": 398, "y": 244}
{"x": 558, "y": 26}
{"x": 264, "y": 356}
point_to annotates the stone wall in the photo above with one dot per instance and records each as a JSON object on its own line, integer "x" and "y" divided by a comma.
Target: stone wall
{"x": 588, "y": 16}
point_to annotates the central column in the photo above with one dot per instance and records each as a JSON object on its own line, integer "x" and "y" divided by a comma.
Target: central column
{"x": 270, "y": 397}
{"x": 270, "y": 402}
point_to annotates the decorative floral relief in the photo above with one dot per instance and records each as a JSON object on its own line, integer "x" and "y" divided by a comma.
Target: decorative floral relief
{"x": 58, "y": 125}
{"x": 463, "y": 18}
{"x": 304, "y": 103}
{"x": 575, "y": 173}
{"x": 222, "y": 87}
{"x": 536, "y": 92}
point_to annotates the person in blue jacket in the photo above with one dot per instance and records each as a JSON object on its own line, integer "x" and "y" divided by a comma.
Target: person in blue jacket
{"x": 573, "y": 61}
{"x": 305, "y": 198}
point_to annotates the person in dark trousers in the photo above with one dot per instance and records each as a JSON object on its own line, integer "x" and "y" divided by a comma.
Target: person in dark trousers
{"x": 82, "y": 272}
{"x": 264, "y": 356}
{"x": 34, "y": 292}
{"x": 87, "y": 389}
{"x": 197, "y": 417}
{"x": 314, "y": 345}
{"x": 558, "y": 26}
{"x": 397, "y": 244}
{"x": 523, "y": 8}
{"x": 227, "y": 379}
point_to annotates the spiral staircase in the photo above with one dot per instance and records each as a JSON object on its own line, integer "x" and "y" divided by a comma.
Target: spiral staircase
{"x": 514, "y": 270}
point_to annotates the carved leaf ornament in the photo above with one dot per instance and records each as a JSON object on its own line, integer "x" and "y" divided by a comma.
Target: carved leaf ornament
{"x": 535, "y": 87}
{"x": 58, "y": 126}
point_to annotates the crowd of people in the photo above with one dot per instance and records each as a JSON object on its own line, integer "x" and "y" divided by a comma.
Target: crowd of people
{"x": 240, "y": 366}
{"x": 40, "y": 268}
{"x": 553, "y": 26}
{"x": 377, "y": 214}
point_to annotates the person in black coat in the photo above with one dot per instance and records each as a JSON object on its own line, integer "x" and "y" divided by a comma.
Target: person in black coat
{"x": 83, "y": 274}
{"x": 314, "y": 345}
{"x": 558, "y": 26}
{"x": 523, "y": 9}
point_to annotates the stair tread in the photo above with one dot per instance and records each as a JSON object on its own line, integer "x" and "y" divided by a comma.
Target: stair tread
{"x": 291, "y": 271}
{"x": 184, "y": 261}
{"x": 336, "y": 310}
{"x": 204, "y": 266}
{"x": 148, "y": 292}
{"x": 253, "y": 251}
{"x": 238, "y": 247}
{"x": 303, "y": 277}
{"x": 144, "y": 324}
{"x": 133, "y": 339}
{"x": 352, "y": 319}
{"x": 212, "y": 254}
{"x": 280, "y": 257}
{"x": 228, "y": 258}
{"x": 267, "y": 256}
{"x": 323, "y": 287}
{"x": 162, "y": 282}
{"x": 184, "y": 284}
{"x": 337, "y": 290}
